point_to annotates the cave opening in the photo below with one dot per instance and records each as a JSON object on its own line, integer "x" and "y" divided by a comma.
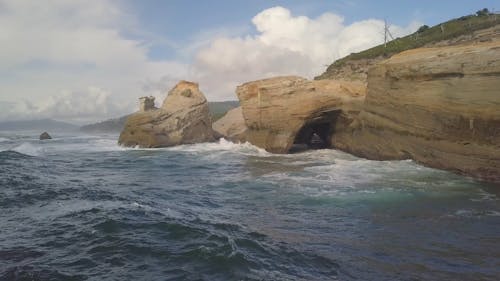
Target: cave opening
{"x": 317, "y": 133}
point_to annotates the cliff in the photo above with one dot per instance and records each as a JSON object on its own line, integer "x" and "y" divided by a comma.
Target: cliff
{"x": 283, "y": 111}
{"x": 438, "y": 106}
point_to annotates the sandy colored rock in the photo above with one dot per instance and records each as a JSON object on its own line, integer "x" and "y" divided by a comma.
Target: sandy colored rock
{"x": 232, "y": 125}
{"x": 183, "y": 118}
{"x": 438, "y": 106}
{"x": 281, "y": 111}
{"x": 146, "y": 103}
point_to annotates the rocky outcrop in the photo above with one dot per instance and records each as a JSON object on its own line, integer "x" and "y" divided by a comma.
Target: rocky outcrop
{"x": 45, "y": 136}
{"x": 183, "y": 118}
{"x": 281, "y": 111}
{"x": 232, "y": 125}
{"x": 147, "y": 103}
{"x": 438, "y": 106}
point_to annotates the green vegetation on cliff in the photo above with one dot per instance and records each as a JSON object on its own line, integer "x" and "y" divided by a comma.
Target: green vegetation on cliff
{"x": 425, "y": 35}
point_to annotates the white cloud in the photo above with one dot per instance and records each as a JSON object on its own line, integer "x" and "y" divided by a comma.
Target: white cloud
{"x": 78, "y": 107}
{"x": 57, "y": 56}
{"x": 56, "y": 46}
{"x": 285, "y": 45}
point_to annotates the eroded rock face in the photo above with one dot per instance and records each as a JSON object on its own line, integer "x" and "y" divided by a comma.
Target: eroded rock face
{"x": 438, "y": 106}
{"x": 146, "y": 103}
{"x": 232, "y": 125}
{"x": 281, "y": 111}
{"x": 184, "y": 118}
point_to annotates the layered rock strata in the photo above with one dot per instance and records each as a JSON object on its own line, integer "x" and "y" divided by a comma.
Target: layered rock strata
{"x": 438, "y": 106}
{"x": 281, "y": 111}
{"x": 183, "y": 118}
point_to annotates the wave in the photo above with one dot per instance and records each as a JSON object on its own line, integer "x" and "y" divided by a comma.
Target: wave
{"x": 4, "y": 139}
{"x": 473, "y": 213}
{"x": 222, "y": 145}
{"x": 27, "y": 148}
{"x": 94, "y": 145}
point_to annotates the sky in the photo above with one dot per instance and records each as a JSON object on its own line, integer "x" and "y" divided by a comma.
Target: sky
{"x": 83, "y": 61}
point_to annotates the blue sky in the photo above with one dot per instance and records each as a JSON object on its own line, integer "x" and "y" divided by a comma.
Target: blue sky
{"x": 180, "y": 20}
{"x": 85, "y": 60}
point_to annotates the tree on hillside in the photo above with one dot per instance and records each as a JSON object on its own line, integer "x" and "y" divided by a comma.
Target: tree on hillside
{"x": 423, "y": 28}
{"x": 483, "y": 12}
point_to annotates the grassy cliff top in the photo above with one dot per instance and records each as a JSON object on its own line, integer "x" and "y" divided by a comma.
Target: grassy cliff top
{"x": 425, "y": 35}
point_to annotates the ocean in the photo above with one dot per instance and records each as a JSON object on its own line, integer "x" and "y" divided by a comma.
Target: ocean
{"x": 80, "y": 207}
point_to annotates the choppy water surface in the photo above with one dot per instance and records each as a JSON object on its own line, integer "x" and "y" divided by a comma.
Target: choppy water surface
{"x": 82, "y": 208}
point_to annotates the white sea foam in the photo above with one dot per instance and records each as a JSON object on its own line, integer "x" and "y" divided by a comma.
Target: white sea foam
{"x": 4, "y": 139}
{"x": 28, "y": 149}
{"x": 473, "y": 213}
{"x": 82, "y": 144}
{"x": 485, "y": 196}
{"x": 106, "y": 145}
{"x": 334, "y": 173}
{"x": 222, "y": 145}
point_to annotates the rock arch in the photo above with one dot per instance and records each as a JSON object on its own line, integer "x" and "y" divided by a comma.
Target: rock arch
{"x": 282, "y": 111}
{"x": 316, "y": 133}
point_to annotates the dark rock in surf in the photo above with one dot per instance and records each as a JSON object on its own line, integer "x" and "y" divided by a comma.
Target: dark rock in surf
{"x": 45, "y": 136}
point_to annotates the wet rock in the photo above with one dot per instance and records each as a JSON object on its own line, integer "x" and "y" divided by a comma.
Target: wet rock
{"x": 45, "y": 136}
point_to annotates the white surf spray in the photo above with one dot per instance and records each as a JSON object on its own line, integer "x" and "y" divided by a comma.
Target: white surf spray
{"x": 222, "y": 145}
{"x": 27, "y": 148}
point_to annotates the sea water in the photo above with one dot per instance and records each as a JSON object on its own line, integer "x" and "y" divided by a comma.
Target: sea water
{"x": 80, "y": 207}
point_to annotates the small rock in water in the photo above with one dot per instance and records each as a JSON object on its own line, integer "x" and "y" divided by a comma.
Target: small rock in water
{"x": 45, "y": 136}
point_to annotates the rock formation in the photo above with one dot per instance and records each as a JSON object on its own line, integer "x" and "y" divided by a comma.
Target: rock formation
{"x": 438, "y": 106}
{"x": 147, "y": 103}
{"x": 45, "y": 136}
{"x": 232, "y": 126}
{"x": 282, "y": 111}
{"x": 182, "y": 119}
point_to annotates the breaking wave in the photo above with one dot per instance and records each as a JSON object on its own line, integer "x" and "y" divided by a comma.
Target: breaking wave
{"x": 27, "y": 148}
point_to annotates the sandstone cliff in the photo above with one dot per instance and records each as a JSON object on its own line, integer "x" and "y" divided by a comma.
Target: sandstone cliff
{"x": 438, "y": 106}
{"x": 183, "y": 118}
{"x": 232, "y": 125}
{"x": 281, "y": 111}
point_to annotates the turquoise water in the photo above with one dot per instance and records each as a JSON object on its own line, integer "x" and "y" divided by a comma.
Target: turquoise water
{"x": 79, "y": 207}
